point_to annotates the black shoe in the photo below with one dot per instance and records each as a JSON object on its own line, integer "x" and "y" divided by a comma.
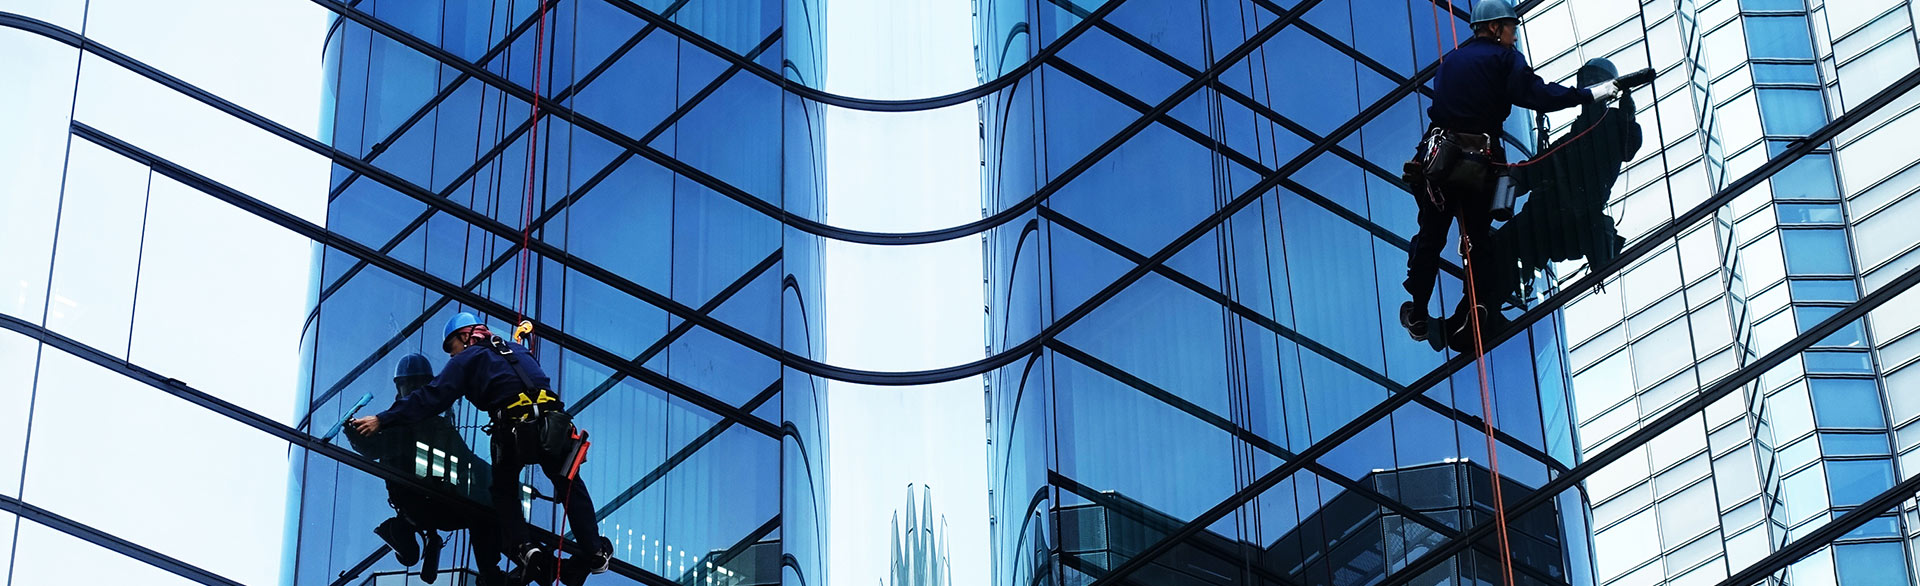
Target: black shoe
{"x": 399, "y": 537}
{"x": 1414, "y": 319}
{"x": 574, "y": 571}
{"x": 536, "y": 566}
{"x": 1460, "y": 329}
{"x": 492, "y": 577}
{"x": 430, "y": 558}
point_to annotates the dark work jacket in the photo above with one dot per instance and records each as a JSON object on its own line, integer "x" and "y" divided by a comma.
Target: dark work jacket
{"x": 478, "y": 373}
{"x": 1479, "y": 83}
{"x": 396, "y": 447}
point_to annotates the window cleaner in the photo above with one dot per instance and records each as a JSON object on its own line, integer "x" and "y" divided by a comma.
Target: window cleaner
{"x": 529, "y": 425}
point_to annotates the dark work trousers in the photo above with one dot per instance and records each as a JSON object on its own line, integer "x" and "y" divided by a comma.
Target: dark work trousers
{"x": 1436, "y": 220}
{"x": 421, "y": 513}
{"x": 506, "y": 494}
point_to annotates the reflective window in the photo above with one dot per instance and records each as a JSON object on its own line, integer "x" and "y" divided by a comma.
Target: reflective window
{"x": 1816, "y": 252}
{"x": 1846, "y": 402}
{"x": 1791, "y": 112}
{"x": 1852, "y": 482}
{"x": 1778, "y": 37}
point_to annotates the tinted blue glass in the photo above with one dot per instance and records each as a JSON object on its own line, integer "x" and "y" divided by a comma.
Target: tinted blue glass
{"x": 1876, "y": 527}
{"x": 1834, "y": 362}
{"x": 1773, "y": 5}
{"x": 1784, "y": 73}
{"x": 1871, "y": 564}
{"x": 1811, "y": 177}
{"x": 1791, "y": 112}
{"x": 1846, "y": 402}
{"x": 1816, "y": 252}
{"x": 1823, "y": 290}
{"x": 1853, "y": 444}
{"x": 1809, "y": 213}
{"x": 1851, "y": 335}
{"x": 1778, "y": 37}
{"x": 1851, "y": 482}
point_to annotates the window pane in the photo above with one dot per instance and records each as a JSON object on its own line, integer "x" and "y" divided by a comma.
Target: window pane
{"x": 1810, "y": 290}
{"x": 1839, "y": 362}
{"x": 1854, "y": 444}
{"x": 1846, "y": 402}
{"x": 1848, "y": 336}
{"x": 1791, "y": 112}
{"x": 1809, "y": 213}
{"x": 1772, "y": 5}
{"x": 1816, "y": 252}
{"x": 1811, "y": 177}
{"x": 1871, "y": 565}
{"x": 1784, "y": 73}
{"x": 1778, "y": 37}
{"x": 1853, "y": 482}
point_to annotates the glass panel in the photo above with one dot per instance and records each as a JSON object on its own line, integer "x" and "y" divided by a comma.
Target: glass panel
{"x": 1851, "y": 482}
{"x": 1778, "y": 37}
{"x": 1804, "y": 213}
{"x": 1853, "y": 444}
{"x": 1871, "y": 564}
{"x": 1792, "y": 112}
{"x": 1846, "y": 402}
{"x": 94, "y": 268}
{"x": 1816, "y": 252}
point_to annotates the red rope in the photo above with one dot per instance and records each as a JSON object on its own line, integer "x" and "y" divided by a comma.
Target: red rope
{"x": 520, "y": 287}
{"x": 1543, "y": 156}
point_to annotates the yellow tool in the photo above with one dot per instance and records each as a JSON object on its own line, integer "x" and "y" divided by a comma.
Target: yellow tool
{"x": 523, "y": 331}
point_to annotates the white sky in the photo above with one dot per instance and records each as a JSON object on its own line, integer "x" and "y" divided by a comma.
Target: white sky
{"x": 903, "y": 308}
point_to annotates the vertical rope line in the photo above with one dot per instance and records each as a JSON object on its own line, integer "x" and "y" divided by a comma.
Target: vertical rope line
{"x": 533, "y": 142}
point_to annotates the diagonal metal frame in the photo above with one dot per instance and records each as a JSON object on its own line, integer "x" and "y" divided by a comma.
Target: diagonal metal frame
{"x": 513, "y": 248}
{"x": 283, "y": 432}
{"x": 433, "y": 283}
{"x": 1289, "y": 334}
{"x": 1880, "y": 504}
{"x": 1261, "y": 443}
{"x": 1645, "y": 245}
{"x": 110, "y": 542}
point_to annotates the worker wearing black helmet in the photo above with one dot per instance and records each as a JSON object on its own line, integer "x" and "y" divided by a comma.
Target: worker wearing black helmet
{"x": 432, "y": 449}
{"x": 529, "y": 426}
{"x": 1459, "y": 160}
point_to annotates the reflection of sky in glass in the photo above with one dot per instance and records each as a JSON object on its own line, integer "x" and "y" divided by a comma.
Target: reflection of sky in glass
{"x": 903, "y": 307}
{"x": 152, "y": 271}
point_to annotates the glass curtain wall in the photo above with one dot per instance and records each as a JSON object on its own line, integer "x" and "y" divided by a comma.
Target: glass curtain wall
{"x": 643, "y": 233}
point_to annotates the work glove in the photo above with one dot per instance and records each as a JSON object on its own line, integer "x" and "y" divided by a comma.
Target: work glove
{"x": 1604, "y": 92}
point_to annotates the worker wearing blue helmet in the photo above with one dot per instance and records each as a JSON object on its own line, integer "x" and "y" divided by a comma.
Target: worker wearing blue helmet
{"x": 1459, "y": 160}
{"x": 530, "y": 425}
{"x": 418, "y": 517}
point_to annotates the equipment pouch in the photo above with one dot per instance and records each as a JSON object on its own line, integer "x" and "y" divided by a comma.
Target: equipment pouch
{"x": 1454, "y": 166}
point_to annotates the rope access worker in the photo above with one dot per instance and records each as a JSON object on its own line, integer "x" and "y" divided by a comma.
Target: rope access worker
{"x": 442, "y": 448}
{"x": 1566, "y": 218}
{"x": 529, "y": 426}
{"x": 1459, "y": 161}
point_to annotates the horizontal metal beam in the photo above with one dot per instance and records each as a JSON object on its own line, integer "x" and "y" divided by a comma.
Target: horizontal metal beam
{"x": 108, "y": 540}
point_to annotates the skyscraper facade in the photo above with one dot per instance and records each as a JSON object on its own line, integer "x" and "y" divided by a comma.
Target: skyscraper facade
{"x": 618, "y": 173}
{"x": 1213, "y": 230}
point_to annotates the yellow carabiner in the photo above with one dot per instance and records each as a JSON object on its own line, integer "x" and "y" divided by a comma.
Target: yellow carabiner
{"x": 523, "y": 331}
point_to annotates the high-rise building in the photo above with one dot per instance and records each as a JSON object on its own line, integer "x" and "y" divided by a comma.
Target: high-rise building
{"x": 1209, "y": 233}
{"x": 1195, "y": 231}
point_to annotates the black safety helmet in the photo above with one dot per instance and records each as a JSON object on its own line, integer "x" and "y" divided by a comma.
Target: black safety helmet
{"x": 1597, "y": 69}
{"x": 413, "y": 370}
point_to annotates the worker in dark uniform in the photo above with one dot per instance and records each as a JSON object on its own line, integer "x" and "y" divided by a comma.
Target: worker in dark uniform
{"x": 529, "y": 424}
{"x": 1475, "y": 88}
{"x": 1566, "y": 217}
{"x": 432, "y": 449}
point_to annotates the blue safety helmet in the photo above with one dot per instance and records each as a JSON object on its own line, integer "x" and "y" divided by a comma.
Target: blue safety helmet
{"x": 1492, "y": 10}
{"x": 412, "y": 366}
{"x": 454, "y": 324}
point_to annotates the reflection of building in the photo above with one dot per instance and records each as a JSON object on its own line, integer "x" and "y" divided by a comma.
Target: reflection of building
{"x": 1351, "y": 540}
{"x": 919, "y": 552}
{"x": 638, "y": 220}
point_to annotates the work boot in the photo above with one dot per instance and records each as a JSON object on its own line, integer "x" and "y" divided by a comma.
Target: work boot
{"x": 399, "y": 537}
{"x": 1414, "y": 318}
{"x": 430, "y": 557}
{"x": 574, "y": 571}
{"x": 536, "y": 566}
{"x": 1460, "y": 329}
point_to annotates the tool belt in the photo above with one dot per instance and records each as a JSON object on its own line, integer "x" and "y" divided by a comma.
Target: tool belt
{"x": 1457, "y": 161}
{"x": 538, "y": 428}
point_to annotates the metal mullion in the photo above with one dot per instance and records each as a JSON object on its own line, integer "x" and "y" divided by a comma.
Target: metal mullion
{"x": 1253, "y": 164}
{"x": 1647, "y": 243}
{"x": 1103, "y": 500}
{"x": 1888, "y": 501}
{"x": 427, "y": 280}
{"x": 1275, "y": 327}
{"x": 661, "y": 345}
{"x": 294, "y": 437}
{"x": 111, "y": 542}
{"x": 681, "y": 455}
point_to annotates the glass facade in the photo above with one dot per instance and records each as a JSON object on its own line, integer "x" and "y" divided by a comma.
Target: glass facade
{"x": 1702, "y": 366}
{"x": 1699, "y": 368}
